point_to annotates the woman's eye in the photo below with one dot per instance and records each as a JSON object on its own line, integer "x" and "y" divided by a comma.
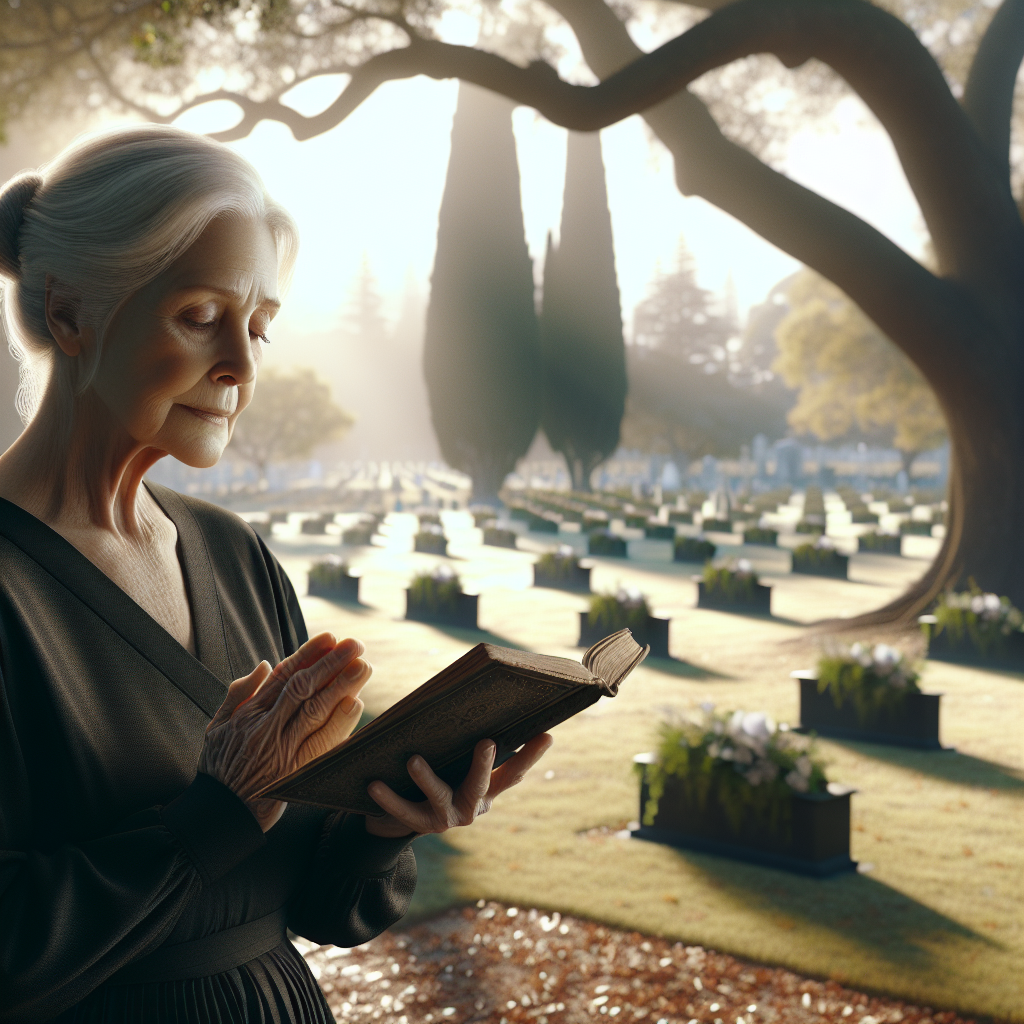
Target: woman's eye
{"x": 199, "y": 325}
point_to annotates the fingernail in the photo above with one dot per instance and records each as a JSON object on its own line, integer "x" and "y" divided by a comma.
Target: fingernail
{"x": 348, "y": 703}
{"x": 355, "y": 669}
{"x": 491, "y": 749}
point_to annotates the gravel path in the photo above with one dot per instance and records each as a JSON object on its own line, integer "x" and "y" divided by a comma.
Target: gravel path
{"x": 503, "y": 964}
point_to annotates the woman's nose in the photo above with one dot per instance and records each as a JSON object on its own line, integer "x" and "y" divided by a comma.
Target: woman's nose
{"x": 237, "y": 363}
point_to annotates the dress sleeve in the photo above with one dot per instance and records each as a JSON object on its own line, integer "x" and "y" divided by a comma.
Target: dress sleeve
{"x": 358, "y": 884}
{"x": 73, "y": 915}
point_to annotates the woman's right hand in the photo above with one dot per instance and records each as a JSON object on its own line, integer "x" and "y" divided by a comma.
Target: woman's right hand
{"x": 274, "y": 721}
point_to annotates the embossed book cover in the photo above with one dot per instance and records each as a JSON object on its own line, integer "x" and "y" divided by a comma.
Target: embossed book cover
{"x": 495, "y": 693}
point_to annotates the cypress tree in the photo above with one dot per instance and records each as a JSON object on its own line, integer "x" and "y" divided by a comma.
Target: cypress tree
{"x": 584, "y": 391}
{"x": 482, "y": 349}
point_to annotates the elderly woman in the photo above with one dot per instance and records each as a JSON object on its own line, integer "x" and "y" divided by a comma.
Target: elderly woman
{"x": 140, "y": 877}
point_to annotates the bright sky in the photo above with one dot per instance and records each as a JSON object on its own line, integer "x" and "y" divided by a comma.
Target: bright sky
{"x": 373, "y": 185}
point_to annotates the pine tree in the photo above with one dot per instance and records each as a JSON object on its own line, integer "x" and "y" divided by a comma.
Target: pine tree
{"x": 581, "y": 322}
{"x": 481, "y": 355}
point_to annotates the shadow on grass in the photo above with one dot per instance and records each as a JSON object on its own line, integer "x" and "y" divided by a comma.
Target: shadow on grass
{"x": 948, "y": 765}
{"x": 434, "y": 890}
{"x": 475, "y": 636}
{"x": 355, "y": 607}
{"x": 862, "y": 910}
{"x": 683, "y": 668}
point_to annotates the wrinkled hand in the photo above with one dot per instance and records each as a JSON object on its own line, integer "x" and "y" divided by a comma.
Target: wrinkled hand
{"x": 444, "y": 809}
{"x": 274, "y": 721}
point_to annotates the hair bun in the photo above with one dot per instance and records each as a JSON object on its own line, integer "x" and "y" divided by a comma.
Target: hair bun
{"x": 15, "y": 196}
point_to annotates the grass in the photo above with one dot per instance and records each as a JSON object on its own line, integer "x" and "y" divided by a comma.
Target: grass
{"x": 939, "y": 918}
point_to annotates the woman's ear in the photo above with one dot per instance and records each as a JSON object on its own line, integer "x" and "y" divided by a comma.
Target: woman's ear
{"x": 63, "y": 317}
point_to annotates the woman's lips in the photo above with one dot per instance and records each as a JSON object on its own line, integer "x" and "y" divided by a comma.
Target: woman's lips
{"x": 219, "y": 418}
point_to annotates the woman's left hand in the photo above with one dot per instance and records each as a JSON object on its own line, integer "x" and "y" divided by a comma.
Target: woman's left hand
{"x": 444, "y": 809}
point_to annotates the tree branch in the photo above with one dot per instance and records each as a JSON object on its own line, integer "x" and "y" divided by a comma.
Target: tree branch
{"x": 988, "y": 96}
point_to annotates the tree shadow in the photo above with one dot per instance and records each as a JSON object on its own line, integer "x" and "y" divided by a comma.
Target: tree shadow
{"x": 475, "y": 636}
{"x": 861, "y": 909}
{"x": 949, "y": 765}
{"x": 682, "y": 668}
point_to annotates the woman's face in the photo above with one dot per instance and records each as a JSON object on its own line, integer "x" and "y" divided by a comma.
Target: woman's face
{"x": 181, "y": 357}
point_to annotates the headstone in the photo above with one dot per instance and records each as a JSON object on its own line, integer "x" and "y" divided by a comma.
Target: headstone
{"x": 789, "y": 462}
{"x": 709, "y": 472}
{"x": 761, "y": 456}
{"x": 670, "y": 478}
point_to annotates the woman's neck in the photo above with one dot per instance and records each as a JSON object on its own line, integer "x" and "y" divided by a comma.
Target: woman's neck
{"x": 78, "y": 471}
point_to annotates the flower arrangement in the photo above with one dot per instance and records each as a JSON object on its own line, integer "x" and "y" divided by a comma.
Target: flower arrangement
{"x": 560, "y": 564}
{"x": 916, "y": 527}
{"x": 429, "y": 519}
{"x": 436, "y": 592}
{"x": 985, "y": 619}
{"x": 748, "y": 763}
{"x": 327, "y": 573}
{"x": 693, "y": 549}
{"x": 821, "y": 556}
{"x": 735, "y": 584}
{"x": 805, "y": 526}
{"x": 718, "y": 525}
{"x": 498, "y": 537}
{"x": 758, "y": 535}
{"x": 877, "y": 541}
{"x": 430, "y": 539}
{"x": 625, "y": 609}
{"x": 602, "y": 542}
{"x": 874, "y": 678}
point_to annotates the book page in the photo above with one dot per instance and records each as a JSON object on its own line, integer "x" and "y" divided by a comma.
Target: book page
{"x": 612, "y": 659}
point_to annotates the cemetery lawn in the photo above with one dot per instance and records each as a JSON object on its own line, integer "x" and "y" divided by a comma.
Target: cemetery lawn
{"x": 937, "y": 917}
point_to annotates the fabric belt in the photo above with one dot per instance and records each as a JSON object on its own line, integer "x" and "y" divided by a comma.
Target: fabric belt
{"x": 212, "y": 954}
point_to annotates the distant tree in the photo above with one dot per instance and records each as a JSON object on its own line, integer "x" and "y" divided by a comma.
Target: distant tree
{"x": 481, "y": 355}
{"x": 680, "y": 317}
{"x": 290, "y": 415}
{"x": 584, "y": 357}
{"x": 850, "y": 375}
{"x": 675, "y": 408}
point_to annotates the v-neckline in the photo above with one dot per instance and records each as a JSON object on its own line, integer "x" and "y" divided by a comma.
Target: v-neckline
{"x": 203, "y": 675}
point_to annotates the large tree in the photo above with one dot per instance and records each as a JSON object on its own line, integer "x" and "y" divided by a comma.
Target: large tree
{"x": 584, "y": 389}
{"x": 961, "y": 324}
{"x": 849, "y": 376}
{"x": 481, "y": 356}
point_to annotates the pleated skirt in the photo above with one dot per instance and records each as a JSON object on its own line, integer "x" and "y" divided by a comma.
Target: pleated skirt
{"x": 275, "y": 988}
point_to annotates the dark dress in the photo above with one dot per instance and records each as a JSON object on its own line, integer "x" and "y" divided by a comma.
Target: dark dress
{"x": 133, "y": 888}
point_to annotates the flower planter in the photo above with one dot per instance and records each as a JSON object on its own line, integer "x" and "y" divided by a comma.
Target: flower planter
{"x": 835, "y": 568}
{"x": 717, "y": 525}
{"x": 916, "y": 528}
{"x": 577, "y": 580}
{"x": 317, "y": 525}
{"x": 542, "y": 524}
{"x": 913, "y": 722}
{"x": 692, "y": 549}
{"x": 431, "y": 544}
{"x": 767, "y": 538}
{"x": 679, "y": 516}
{"x": 654, "y": 631}
{"x": 659, "y": 531}
{"x": 462, "y": 616}
{"x": 344, "y": 588}
{"x": 759, "y": 604}
{"x": 499, "y": 538}
{"x": 607, "y": 544}
{"x": 357, "y": 536}
{"x": 816, "y": 840}
{"x": 880, "y": 544}
{"x": 1009, "y": 655}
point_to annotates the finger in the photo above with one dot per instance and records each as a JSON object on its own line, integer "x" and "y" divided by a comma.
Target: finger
{"x": 239, "y": 692}
{"x": 314, "y": 711}
{"x": 306, "y": 682}
{"x": 308, "y": 654}
{"x": 338, "y": 727}
{"x": 514, "y": 770}
{"x": 477, "y": 781}
{"x": 414, "y": 816}
{"x": 438, "y": 793}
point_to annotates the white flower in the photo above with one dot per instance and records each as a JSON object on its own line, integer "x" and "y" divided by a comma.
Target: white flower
{"x": 825, "y": 542}
{"x": 803, "y": 766}
{"x": 796, "y": 781}
{"x": 886, "y": 658}
{"x": 758, "y": 726}
{"x": 861, "y": 654}
{"x": 743, "y": 565}
{"x": 714, "y": 749}
{"x": 564, "y": 551}
{"x": 631, "y": 597}
{"x": 977, "y": 604}
{"x": 727, "y": 754}
{"x": 992, "y": 602}
{"x": 707, "y": 707}
{"x": 735, "y": 726}
{"x": 443, "y": 573}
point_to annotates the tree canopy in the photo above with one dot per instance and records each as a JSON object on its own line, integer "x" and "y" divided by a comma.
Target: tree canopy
{"x": 290, "y": 415}
{"x": 848, "y": 375}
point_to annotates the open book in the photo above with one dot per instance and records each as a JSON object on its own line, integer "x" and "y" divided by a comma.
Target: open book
{"x": 491, "y": 692}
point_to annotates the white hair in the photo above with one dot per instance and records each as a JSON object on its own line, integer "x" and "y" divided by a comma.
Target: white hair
{"x": 104, "y": 218}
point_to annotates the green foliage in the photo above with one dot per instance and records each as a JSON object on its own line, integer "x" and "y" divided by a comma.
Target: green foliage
{"x": 358, "y": 536}
{"x": 499, "y": 538}
{"x": 481, "y": 354}
{"x": 985, "y": 620}
{"x": 916, "y": 528}
{"x": 756, "y": 535}
{"x": 327, "y": 573}
{"x": 875, "y": 541}
{"x": 751, "y": 767}
{"x": 817, "y": 556}
{"x": 603, "y": 543}
{"x": 805, "y": 527}
{"x": 693, "y": 549}
{"x": 718, "y": 525}
{"x": 436, "y": 592}
{"x": 558, "y": 565}
{"x": 735, "y": 585}
{"x": 874, "y": 679}
{"x": 584, "y": 382}
{"x": 290, "y": 415}
{"x": 430, "y": 540}
{"x": 850, "y": 375}
{"x": 625, "y": 609}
